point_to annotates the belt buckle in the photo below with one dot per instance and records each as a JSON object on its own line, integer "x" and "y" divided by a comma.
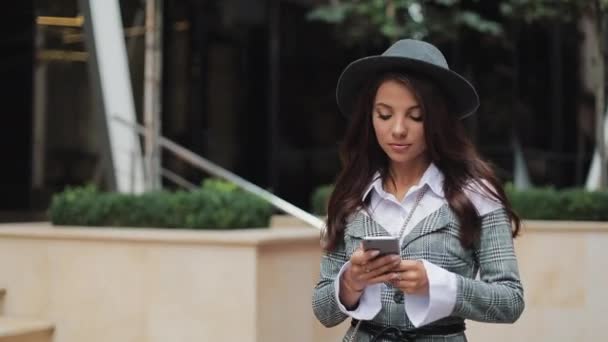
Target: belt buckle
{"x": 406, "y": 336}
{"x": 398, "y": 334}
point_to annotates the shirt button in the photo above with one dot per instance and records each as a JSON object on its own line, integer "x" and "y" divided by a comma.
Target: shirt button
{"x": 398, "y": 296}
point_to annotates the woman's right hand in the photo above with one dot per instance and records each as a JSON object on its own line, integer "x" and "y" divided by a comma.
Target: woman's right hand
{"x": 368, "y": 269}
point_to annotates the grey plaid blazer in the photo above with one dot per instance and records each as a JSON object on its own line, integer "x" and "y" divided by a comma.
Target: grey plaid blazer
{"x": 496, "y": 297}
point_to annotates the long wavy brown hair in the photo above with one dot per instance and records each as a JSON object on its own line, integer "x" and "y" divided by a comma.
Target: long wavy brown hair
{"x": 448, "y": 147}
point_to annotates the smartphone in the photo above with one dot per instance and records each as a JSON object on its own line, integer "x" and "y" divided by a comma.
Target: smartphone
{"x": 385, "y": 244}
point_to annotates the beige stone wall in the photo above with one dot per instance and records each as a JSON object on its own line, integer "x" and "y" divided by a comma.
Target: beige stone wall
{"x": 148, "y": 285}
{"x": 564, "y": 270}
{"x": 160, "y": 285}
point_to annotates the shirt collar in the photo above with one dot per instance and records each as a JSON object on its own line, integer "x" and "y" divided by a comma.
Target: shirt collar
{"x": 376, "y": 183}
{"x": 432, "y": 177}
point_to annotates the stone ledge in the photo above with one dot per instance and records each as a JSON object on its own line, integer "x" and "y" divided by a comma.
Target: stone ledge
{"x": 564, "y": 226}
{"x": 287, "y": 221}
{"x": 14, "y": 327}
{"x": 276, "y": 235}
{"x": 241, "y": 237}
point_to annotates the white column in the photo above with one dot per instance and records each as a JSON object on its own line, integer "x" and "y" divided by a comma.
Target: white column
{"x": 520, "y": 172}
{"x": 597, "y": 172}
{"x": 111, "y": 79}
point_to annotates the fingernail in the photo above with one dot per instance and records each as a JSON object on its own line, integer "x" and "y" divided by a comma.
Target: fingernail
{"x": 375, "y": 253}
{"x": 396, "y": 257}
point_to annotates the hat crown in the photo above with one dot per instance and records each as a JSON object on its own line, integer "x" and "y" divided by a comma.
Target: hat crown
{"x": 419, "y": 50}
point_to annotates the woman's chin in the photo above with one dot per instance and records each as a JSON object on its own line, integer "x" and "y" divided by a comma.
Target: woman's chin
{"x": 404, "y": 159}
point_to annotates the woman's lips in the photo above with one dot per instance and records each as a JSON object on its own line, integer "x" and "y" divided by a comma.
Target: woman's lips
{"x": 400, "y": 147}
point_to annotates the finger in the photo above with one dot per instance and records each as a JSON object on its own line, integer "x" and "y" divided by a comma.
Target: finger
{"x": 388, "y": 267}
{"x": 383, "y": 278}
{"x": 403, "y": 277}
{"x": 406, "y": 286}
{"x": 409, "y": 265}
{"x": 358, "y": 257}
{"x": 358, "y": 274}
{"x": 384, "y": 260}
{"x": 370, "y": 255}
{"x": 411, "y": 287}
{"x": 359, "y": 267}
{"x": 411, "y": 275}
{"x": 378, "y": 267}
{"x": 363, "y": 257}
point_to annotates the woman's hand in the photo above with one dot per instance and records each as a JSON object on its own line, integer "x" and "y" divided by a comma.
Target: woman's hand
{"x": 368, "y": 269}
{"x": 411, "y": 277}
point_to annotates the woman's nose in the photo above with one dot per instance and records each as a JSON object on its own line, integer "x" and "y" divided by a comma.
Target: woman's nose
{"x": 399, "y": 128}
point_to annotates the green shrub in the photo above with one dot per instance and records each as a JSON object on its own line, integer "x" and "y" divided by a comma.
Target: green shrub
{"x": 319, "y": 199}
{"x": 216, "y": 205}
{"x": 552, "y": 204}
{"x": 533, "y": 204}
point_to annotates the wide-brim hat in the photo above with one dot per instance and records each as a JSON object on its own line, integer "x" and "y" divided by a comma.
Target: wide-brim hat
{"x": 408, "y": 55}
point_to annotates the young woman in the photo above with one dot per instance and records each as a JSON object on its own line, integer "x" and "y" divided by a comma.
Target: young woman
{"x": 409, "y": 171}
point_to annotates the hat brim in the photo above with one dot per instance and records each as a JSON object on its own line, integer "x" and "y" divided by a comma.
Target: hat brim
{"x": 463, "y": 100}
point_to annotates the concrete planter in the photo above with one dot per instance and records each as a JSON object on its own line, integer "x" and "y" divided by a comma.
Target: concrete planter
{"x": 101, "y": 284}
{"x": 163, "y": 285}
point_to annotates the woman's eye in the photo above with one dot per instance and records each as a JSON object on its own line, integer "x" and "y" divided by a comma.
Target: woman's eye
{"x": 384, "y": 116}
{"x": 416, "y": 116}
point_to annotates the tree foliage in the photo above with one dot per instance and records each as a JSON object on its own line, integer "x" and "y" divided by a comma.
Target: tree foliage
{"x": 373, "y": 20}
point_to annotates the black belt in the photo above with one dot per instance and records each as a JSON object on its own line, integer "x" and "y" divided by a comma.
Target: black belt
{"x": 395, "y": 334}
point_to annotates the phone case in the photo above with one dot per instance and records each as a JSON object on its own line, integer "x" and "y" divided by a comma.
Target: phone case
{"x": 384, "y": 245}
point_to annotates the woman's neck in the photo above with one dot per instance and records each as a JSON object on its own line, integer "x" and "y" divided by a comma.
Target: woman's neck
{"x": 403, "y": 177}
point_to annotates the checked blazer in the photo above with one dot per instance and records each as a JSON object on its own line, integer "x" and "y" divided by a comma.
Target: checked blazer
{"x": 496, "y": 297}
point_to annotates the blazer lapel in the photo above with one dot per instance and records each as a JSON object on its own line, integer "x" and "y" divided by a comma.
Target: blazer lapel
{"x": 434, "y": 222}
{"x": 362, "y": 225}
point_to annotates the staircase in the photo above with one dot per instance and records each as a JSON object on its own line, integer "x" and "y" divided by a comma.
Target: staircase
{"x": 16, "y": 329}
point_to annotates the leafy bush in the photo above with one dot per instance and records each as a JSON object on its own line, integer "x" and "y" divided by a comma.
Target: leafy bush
{"x": 552, "y": 204}
{"x": 319, "y": 199}
{"x": 532, "y": 204}
{"x": 216, "y": 205}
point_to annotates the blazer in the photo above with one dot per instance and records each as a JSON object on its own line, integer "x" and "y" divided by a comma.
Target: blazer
{"x": 496, "y": 297}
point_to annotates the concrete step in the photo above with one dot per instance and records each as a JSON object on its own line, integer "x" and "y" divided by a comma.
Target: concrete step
{"x": 14, "y": 329}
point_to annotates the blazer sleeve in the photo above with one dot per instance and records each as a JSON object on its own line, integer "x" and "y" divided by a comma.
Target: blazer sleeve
{"x": 324, "y": 302}
{"x": 498, "y": 295}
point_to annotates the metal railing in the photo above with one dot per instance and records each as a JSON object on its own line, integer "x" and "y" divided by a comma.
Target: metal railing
{"x": 218, "y": 171}
{"x": 177, "y": 179}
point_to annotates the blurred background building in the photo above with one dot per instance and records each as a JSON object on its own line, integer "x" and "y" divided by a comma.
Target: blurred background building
{"x": 249, "y": 85}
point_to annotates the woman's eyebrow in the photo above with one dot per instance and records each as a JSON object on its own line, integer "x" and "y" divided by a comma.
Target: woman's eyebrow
{"x": 382, "y": 104}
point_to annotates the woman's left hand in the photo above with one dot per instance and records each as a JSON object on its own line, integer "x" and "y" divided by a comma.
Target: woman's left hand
{"x": 411, "y": 277}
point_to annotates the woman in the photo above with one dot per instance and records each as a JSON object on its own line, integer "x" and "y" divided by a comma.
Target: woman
{"x": 409, "y": 171}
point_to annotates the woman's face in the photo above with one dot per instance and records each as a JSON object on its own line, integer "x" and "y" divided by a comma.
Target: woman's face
{"x": 398, "y": 122}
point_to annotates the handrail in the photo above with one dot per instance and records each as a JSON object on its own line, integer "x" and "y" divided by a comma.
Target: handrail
{"x": 177, "y": 179}
{"x": 218, "y": 171}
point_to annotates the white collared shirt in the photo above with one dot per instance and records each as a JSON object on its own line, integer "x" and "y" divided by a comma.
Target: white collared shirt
{"x": 391, "y": 214}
